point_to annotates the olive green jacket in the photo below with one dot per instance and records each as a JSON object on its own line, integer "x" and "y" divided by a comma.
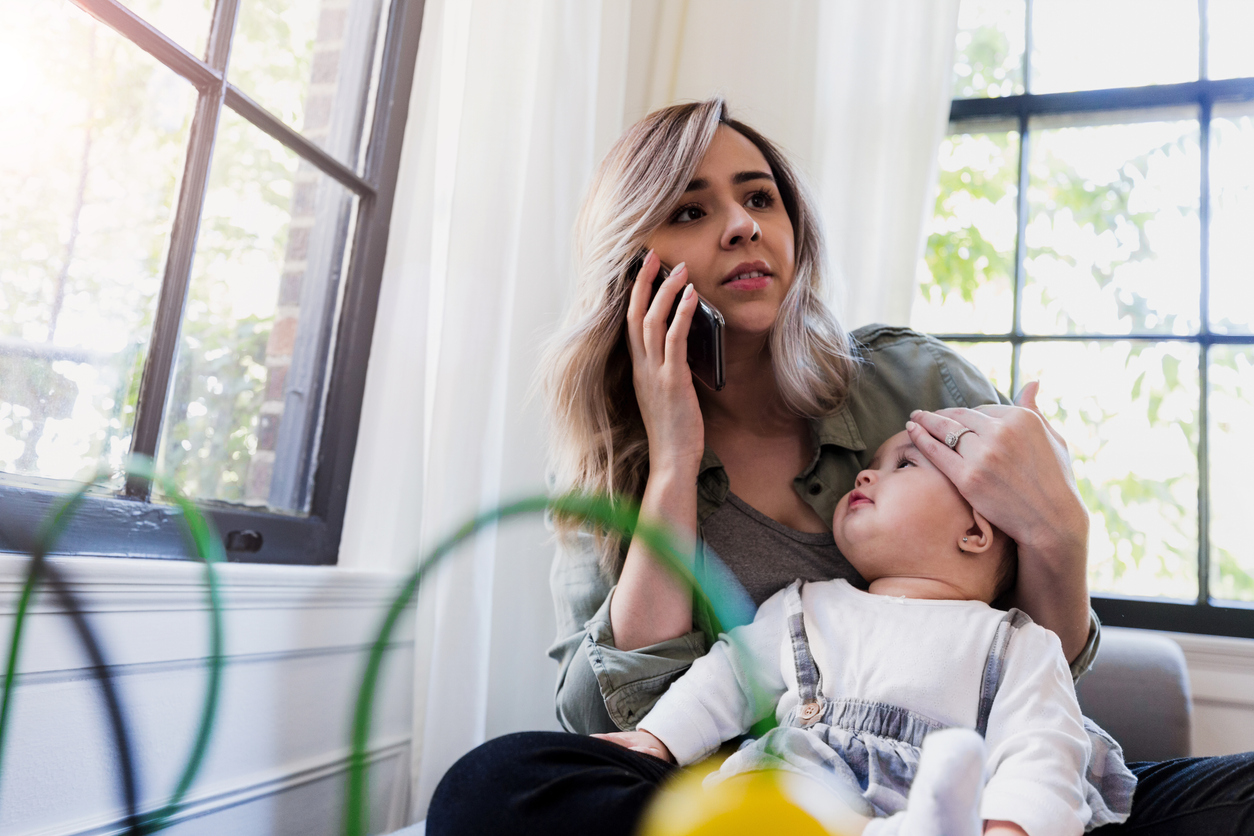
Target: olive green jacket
{"x": 601, "y": 688}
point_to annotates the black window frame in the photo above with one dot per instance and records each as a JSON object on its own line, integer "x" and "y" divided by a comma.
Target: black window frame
{"x": 1204, "y": 615}
{"x": 129, "y": 524}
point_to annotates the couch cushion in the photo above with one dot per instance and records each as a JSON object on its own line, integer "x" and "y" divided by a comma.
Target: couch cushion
{"x": 1138, "y": 691}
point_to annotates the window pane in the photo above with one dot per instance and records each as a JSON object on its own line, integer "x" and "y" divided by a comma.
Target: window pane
{"x": 91, "y": 151}
{"x": 1113, "y": 231}
{"x": 248, "y": 378}
{"x": 1129, "y": 414}
{"x": 967, "y": 282}
{"x": 311, "y": 63}
{"x": 1230, "y": 32}
{"x": 1231, "y": 443}
{"x": 1232, "y": 218}
{"x": 186, "y": 22}
{"x": 1094, "y": 44}
{"x": 991, "y": 358}
{"x": 989, "y": 59}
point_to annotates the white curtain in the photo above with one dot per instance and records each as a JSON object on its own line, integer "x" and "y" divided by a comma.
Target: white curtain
{"x": 500, "y": 143}
{"x": 884, "y": 70}
{"x": 514, "y": 102}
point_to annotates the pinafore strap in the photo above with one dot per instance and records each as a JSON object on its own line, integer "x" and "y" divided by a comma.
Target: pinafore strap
{"x": 809, "y": 684}
{"x": 995, "y": 665}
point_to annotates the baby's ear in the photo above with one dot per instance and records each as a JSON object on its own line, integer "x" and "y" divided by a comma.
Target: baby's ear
{"x": 978, "y": 538}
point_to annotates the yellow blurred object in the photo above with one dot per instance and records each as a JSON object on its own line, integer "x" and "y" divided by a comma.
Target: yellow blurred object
{"x": 752, "y": 804}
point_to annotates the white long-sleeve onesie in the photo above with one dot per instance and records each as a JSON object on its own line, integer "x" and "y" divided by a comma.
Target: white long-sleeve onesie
{"x": 922, "y": 655}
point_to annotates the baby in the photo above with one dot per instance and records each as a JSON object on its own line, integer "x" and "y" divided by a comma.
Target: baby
{"x": 857, "y": 679}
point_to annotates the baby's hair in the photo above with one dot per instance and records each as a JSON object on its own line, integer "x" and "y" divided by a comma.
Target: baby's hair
{"x": 1007, "y": 572}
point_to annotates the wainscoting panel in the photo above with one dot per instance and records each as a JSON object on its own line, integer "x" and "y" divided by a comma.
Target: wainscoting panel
{"x": 1221, "y": 673}
{"x": 296, "y": 643}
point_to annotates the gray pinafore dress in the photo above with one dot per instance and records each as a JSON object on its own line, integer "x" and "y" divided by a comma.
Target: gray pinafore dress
{"x": 869, "y": 751}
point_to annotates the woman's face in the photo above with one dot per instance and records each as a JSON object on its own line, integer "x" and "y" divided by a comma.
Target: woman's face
{"x": 712, "y": 231}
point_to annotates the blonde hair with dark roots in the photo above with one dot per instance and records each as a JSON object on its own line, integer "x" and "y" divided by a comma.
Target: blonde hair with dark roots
{"x": 597, "y": 438}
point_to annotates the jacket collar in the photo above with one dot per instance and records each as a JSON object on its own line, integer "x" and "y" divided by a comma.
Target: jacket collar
{"x": 836, "y": 429}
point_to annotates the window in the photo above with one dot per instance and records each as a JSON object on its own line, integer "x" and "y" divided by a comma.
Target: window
{"x": 1095, "y": 200}
{"x": 197, "y": 197}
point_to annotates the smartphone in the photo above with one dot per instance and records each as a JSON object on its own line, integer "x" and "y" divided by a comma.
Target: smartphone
{"x": 705, "y": 336}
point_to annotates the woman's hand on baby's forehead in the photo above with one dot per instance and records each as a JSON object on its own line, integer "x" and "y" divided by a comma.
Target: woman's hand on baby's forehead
{"x": 1012, "y": 466}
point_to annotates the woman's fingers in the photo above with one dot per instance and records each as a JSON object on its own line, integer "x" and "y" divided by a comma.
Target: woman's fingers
{"x": 655, "y": 325}
{"x": 638, "y": 304}
{"x": 941, "y": 425}
{"x": 947, "y": 461}
{"x": 677, "y": 334}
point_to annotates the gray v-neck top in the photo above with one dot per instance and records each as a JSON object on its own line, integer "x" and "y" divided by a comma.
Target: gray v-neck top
{"x": 767, "y": 556}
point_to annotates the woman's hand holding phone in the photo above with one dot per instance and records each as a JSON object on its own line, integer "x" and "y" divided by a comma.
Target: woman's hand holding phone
{"x": 660, "y": 373}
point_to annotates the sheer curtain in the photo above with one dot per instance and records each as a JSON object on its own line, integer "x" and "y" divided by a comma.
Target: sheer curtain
{"x": 499, "y": 147}
{"x": 514, "y": 101}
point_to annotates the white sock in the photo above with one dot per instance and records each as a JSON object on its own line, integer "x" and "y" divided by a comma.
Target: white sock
{"x": 945, "y": 796}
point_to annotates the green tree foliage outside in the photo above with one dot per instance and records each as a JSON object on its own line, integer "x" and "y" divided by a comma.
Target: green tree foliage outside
{"x": 1145, "y": 517}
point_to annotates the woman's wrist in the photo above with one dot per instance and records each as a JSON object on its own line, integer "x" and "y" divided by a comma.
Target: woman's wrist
{"x": 1053, "y": 588}
{"x": 673, "y": 471}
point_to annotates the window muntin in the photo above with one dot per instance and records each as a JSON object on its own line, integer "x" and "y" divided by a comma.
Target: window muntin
{"x": 1128, "y": 290}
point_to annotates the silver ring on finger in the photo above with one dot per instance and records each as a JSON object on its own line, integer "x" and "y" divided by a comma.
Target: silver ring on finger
{"x": 952, "y": 439}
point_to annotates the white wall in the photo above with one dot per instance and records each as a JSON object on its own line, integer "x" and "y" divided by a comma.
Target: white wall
{"x": 295, "y": 645}
{"x": 1221, "y": 675}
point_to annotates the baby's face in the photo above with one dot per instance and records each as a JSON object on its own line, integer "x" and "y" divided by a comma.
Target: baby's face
{"x": 901, "y": 514}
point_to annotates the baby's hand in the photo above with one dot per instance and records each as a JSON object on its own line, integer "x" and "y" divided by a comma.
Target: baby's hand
{"x": 639, "y": 741}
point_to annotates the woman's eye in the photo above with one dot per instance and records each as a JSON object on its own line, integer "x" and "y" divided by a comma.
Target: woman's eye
{"x": 761, "y": 199}
{"x": 686, "y": 214}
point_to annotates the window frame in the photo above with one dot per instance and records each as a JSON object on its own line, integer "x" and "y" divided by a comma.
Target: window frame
{"x": 129, "y": 524}
{"x": 1202, "y": 615}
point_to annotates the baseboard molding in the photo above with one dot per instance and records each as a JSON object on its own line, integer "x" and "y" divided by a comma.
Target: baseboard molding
{"x": 216, "y": 799}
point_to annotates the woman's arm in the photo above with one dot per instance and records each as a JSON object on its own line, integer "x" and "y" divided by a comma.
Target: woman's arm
{"x": 650, "y": 604}
{"x": 1015, "y": 469}
{"x": 599, "y": 687}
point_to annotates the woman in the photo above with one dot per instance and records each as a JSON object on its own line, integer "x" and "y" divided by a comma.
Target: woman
{"x": 754, "y": 470}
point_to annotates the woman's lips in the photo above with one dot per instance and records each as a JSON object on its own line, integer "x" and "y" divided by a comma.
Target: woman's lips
{"x": 749, "y": 275}
{"x": 750, "y": 283}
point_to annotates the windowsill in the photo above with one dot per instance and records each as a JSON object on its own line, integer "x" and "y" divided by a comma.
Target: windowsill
{"x": 124, "y": 584}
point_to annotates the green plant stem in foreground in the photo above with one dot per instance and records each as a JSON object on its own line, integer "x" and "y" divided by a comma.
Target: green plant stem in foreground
{"x": 715, "y": 606}
{"x": 208, "y": 548}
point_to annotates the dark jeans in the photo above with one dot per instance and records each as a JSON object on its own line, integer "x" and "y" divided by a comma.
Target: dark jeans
{"x": 552, "y": 783}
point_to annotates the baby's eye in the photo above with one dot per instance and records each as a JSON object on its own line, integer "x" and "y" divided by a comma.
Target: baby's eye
{"x": 687, "y": 214}
{"x": 904, "y": 462}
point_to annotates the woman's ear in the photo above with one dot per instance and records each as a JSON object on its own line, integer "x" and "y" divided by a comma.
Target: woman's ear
{"x": 978, "y": 538}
